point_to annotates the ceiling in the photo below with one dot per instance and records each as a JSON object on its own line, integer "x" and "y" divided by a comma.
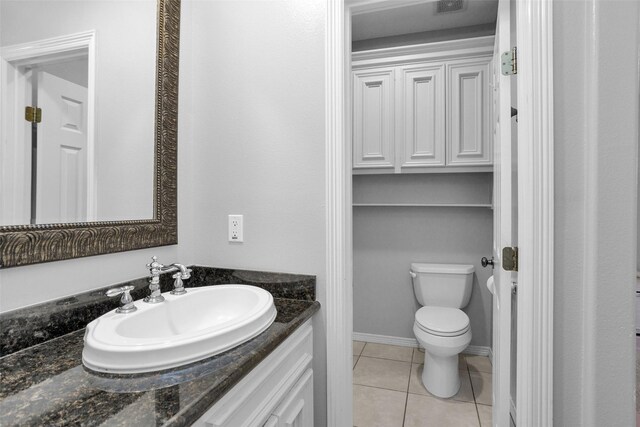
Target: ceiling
{"x": 421, "y": 17}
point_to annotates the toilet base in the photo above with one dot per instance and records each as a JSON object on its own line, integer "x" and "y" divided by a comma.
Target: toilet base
{"x": 440, "y": 375}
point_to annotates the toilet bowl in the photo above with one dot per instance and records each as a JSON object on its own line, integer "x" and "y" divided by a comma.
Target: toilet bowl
{"x": 440, "y": 326}
{"x": 444, "y": 333}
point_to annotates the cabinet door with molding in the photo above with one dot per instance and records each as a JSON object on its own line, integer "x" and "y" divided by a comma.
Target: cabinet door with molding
{"x": 297, "y": 408}
{"x": 421, "y": 115}
{"x": 469, "y": 113}
{"x": 373, "y": 115}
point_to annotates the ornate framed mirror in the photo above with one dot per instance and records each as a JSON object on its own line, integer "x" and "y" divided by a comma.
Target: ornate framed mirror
{"x": 34, "y": 242}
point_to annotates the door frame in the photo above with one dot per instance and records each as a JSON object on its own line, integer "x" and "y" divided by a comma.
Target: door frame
{"x": 14, "y": 57}
{"x": 535, "y": 220}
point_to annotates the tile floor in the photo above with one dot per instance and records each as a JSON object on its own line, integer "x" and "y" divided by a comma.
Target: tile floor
{"x": 388, "y": 390}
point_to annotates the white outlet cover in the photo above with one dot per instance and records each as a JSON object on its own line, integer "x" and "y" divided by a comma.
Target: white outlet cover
{"x": 235, "y": 229}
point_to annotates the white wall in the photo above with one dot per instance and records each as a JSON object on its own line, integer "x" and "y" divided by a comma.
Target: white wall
{"x": 125, "y": 88}
{"x": 596, "y": 145}
{"x": 258, "y": 115}
{"x": 387, "y": 240}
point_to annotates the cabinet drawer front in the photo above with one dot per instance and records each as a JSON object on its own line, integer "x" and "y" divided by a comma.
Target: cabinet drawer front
{"x": 421, "y": 115}
{"x": 469, "y": 133}
{"x": 373, "y": 139}
{"x": 253, "y": 399}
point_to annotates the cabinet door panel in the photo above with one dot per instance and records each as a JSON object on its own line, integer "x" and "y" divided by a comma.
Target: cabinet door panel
{"x": 373, "y": 142}
{"x": 468, "y": 139}
{"x": 422, "y": 116}
{"x": 297, "y": 408}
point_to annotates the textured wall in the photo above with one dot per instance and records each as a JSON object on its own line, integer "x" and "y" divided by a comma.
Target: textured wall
{"x": 258, "y": 134}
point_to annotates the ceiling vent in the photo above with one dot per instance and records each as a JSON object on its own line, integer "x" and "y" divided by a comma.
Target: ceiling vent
{"x": 445, "y": 6}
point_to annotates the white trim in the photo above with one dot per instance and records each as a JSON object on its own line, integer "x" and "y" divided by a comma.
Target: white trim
{"x": 339, "y": 296}
{"x": 479, "y": 350}
{"x": 535, "y": 213}
{"x": 476, "y": 350}
{"x": 359, "y": 7}
{"x": 41, "y": 52}
{"x": 385, "y": 339}
{"x": 512, "y": 410}
{"x": 475, "y": 46}
{"x": 490, "y": 355}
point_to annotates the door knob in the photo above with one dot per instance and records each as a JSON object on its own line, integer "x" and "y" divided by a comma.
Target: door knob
{"x": 484, "y": 261}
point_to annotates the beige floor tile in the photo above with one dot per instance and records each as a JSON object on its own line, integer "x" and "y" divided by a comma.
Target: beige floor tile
{"x": 429, "y": 411}
{"x": 382, "y": 373}
{"x": 418, "y": 355}
{"x": 391, "y": 352}
{"x": 478, "y": 363}
{"x": 355, "y": 360}
{"x": 373, "y": 407}
{"x": 485, "y": 414}
{"x": 357, "y": 347}
{"x": 417, "y": 387}
{"x": 481, "y": 383}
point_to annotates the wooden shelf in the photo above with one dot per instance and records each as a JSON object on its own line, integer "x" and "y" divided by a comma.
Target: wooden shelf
{"x": 427, "y": 205}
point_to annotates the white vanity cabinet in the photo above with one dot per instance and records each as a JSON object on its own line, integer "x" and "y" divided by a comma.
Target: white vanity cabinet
{"x": 276, "y": 393}
{"x": 423, "y": 108}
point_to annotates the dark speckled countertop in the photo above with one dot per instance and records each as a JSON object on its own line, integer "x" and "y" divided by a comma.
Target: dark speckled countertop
{"x": 46, "y": 383}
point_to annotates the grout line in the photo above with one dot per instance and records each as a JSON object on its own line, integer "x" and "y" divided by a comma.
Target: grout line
{"x": 406, "y": 403}
{"x": 382, "y": 358}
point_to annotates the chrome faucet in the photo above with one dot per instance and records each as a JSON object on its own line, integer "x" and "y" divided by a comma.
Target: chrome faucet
{"x": 156, "y": 269}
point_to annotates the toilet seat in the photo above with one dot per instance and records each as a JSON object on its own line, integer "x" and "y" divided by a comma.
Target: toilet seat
{"x": 442, "y": 321}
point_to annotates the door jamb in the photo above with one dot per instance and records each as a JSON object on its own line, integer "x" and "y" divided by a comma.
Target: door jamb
{"x": 535, "y": 228}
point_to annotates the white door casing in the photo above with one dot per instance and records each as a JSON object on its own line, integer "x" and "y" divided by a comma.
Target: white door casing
{"x": 504, "y": 220}
{"x": 535, "y": 226}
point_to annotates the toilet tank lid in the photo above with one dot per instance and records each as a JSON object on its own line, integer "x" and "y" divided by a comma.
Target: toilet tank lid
{"x": 420, "y": 267}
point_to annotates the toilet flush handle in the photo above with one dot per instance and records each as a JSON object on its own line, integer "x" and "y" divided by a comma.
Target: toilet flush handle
{"x": 412, "y": 274}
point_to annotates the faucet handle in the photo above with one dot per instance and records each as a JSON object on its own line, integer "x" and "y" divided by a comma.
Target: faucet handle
{"x": 126, "y": 300}
{"x": 154, "y": 263}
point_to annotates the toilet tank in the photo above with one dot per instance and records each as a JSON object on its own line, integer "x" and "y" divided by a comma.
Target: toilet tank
{"x": 443, "y": 285}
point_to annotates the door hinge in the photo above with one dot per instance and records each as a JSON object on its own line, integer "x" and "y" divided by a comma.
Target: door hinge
{"x": 510, "y": 62}
{"x": 510, "y": 259}
{"x": 33, "y": 114}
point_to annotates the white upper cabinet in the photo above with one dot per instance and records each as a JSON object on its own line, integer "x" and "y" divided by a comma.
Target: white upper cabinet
{"x": 469, "y": 134}
{"x": 422, "y": 127}
{"x": 424, "y": 108}
{"x": 373, "y": 127}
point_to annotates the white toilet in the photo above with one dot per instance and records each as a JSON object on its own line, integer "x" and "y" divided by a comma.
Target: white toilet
{"x": 440, "y": 326}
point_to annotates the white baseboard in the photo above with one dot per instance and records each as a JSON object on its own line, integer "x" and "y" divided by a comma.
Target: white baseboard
{"x": 385, "y": 339}
{"x": 476, "y": 350}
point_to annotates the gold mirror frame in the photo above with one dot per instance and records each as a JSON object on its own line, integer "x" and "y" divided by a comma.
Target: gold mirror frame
{"x": 31, "y": 244}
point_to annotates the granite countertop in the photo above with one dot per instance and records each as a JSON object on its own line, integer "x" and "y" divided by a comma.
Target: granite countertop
{"x": 46, "y": 383}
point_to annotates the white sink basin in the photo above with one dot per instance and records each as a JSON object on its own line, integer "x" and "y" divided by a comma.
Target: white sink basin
{"x": 182, "y": 329}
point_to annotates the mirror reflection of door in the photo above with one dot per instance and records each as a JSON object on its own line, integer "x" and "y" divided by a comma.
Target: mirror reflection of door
{"x": 61, "y": 194}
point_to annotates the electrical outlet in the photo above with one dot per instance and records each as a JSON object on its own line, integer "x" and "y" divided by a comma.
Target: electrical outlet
{"x": 235, "y": 228}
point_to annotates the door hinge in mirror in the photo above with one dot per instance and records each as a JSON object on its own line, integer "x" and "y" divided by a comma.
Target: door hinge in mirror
{"x": 509, "y": 62}
{"x": 33, "y": 114}
{"x": 510, "y": 259}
